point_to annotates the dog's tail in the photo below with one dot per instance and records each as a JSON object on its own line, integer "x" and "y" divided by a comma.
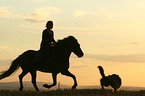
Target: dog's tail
{"x": 101, "y": 71}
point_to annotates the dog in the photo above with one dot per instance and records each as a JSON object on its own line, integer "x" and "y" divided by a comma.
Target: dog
{"x": 111, "y": 80}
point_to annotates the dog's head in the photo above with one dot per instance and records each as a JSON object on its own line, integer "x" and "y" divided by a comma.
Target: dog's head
{"x": 105, "y": 81}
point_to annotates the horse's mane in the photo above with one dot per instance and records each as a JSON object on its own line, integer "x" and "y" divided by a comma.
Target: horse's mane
{"x": 66, "y": 40}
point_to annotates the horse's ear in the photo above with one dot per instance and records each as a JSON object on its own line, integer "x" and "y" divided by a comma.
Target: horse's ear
{"x": 71, "y": 37}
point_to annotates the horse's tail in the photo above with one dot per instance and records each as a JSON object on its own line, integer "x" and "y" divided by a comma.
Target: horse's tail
{"x": 14, "y": 66}
{"x": 101, "y": 71}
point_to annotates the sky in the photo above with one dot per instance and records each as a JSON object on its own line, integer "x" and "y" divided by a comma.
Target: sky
{"x": 111, "y": 34}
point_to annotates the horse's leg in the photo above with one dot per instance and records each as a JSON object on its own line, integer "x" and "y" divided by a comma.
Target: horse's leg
{"x": 20, "y": 79}
{"x": 67, "y": 73}
{"x": 54, "y": 75}
{"x": 102, "y": 86}
{"x": 33, "y": 74}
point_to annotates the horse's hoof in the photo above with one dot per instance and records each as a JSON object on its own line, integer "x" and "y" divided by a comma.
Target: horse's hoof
{"x": 20, "y": 89}
{"x": 46, "y": 86}
{"x": 37, "y": 90}
{"x": 73, "y": 87}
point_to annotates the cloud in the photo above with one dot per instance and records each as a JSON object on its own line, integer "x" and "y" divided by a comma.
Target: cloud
{"x": 34, "y": 17}
{"x": 79, "y": 66}
{"x": 135, "y": 58}
{"x": 42, "y": 14}
{"x": 9, "y": 48}
{"x": 4, "y": 11}
{"x": 3, "y": 47}
{"x": 134, "y": 43}
{"x": 5, "y": 62}
{"x": 79, "y": 13}
{"x": 78, "y": 28}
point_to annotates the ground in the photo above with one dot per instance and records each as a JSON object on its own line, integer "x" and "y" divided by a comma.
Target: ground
{"x": 68, "y": 92}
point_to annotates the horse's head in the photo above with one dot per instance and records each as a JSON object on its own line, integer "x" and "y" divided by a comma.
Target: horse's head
{"x": 75, "y": 46}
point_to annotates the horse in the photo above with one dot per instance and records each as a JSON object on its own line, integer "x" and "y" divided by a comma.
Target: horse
{"x": 58, "y": 64}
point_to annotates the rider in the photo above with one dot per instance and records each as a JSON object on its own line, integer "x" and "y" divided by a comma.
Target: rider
{"x": 47, "y": 42}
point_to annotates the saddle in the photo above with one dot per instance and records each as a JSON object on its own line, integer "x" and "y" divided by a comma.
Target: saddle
{"x": 39, "y": 57}
{"x": 41, "y": 63}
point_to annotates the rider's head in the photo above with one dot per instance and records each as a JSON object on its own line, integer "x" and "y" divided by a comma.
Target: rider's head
{"x": 49, "y": 25}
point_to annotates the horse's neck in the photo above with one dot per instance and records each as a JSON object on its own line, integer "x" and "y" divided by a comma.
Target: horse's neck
{"x": 64, "y": 52}
{"x": 68, "y": 54}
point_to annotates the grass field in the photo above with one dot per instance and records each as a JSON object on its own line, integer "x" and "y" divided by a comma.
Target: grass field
{"x": 67, "y": 92}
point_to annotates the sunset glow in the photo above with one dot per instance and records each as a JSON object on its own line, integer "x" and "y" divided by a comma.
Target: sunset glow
{"x": 111, "y": 34}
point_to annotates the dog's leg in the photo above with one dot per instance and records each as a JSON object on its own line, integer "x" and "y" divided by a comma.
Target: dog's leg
{"x": 115, "y": 90}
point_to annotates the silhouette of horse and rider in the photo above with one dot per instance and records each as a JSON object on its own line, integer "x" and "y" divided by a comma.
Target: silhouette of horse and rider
{"x": 53, "y": 57}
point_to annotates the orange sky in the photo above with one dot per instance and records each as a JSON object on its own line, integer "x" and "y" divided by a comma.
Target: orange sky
{"x": 111, "y": 34}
